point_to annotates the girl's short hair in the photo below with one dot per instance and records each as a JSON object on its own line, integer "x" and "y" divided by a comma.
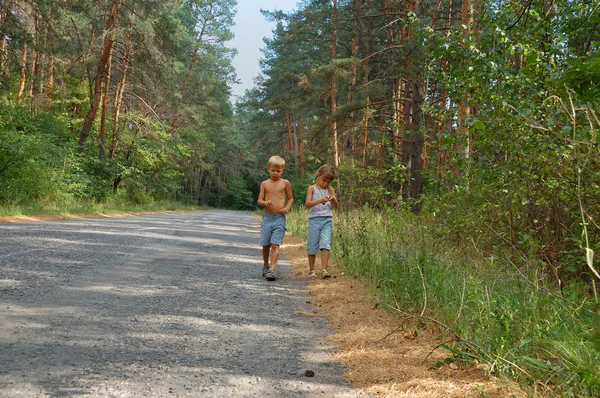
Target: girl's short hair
{"x": 276, "y": 161}
{"x": 325, "y": 171}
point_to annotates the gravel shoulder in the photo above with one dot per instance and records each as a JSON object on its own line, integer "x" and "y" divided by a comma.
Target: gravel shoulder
{"x": 166, "y": 304}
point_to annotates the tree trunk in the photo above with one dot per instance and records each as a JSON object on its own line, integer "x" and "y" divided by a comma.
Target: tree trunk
{"x": 189, "y": 70}
{"x": 288, "y": 126}
{"x": 412, "y": 147}
{"x": 35, "y": 55}
{"x": 295, "y": 140}
{"x": 4, "y": 67}
{"x": 301, "y": 145}
{"x": 334, "y": 132}
{"x": 366, "y": 112}
{"x": 50, "y": 80}
{"x": 397, "y": 82}
{"x": 85, "y": 55}
{"x": 119, "y": 90}
{"x": 104, "y": 105}
{"x": 23, "y": 73}
{"x": 354, "y": 52}
{"x": 106, "y": 50}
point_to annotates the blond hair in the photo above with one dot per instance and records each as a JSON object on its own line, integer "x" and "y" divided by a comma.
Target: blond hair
{"x": 325, "y": 171}
{"x": 276, "y": 161}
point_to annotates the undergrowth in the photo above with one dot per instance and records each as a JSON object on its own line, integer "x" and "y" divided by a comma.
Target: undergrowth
{"x": 507, "y": 316}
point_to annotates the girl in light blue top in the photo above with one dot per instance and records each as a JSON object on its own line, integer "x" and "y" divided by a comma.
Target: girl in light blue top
{"x": 320, "y": 200}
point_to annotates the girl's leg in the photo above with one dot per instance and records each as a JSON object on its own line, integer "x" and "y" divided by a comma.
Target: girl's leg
{"x": 324, "y": 258}
{"x": 325, "y": 243}
{"x": 312, "y": 244}
{"x": 311, "y": 262}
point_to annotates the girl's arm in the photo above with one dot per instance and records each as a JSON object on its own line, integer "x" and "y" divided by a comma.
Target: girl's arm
{"x": 308, "y": 202}
{"x": 333, "y": 198}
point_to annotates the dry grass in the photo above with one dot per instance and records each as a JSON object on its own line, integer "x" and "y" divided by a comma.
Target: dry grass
{"x": 383, "y": 353}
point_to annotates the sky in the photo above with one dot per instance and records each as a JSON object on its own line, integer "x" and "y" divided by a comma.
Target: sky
{"x": 249, "y": 30}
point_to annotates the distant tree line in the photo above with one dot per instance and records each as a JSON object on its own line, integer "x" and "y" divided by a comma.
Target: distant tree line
{"x": 127, "y": 97}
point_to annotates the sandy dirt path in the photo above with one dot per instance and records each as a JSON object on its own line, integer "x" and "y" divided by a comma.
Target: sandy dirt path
{"x": 160, "y": 305}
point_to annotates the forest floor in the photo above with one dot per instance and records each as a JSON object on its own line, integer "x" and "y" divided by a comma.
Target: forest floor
{"x": 385, "y": 353}
{"x": 382, "y": 352}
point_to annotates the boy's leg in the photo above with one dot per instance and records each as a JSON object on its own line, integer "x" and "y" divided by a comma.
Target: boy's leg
{"x": 274, "y": 256}
{"x": 265, "y": 253}
{"x": 267, "y": 228}
{"x": 277, "y": 235}
{"x": 265, "y": 240}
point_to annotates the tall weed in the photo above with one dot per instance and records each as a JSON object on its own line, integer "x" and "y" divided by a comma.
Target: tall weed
{"x": 512, "y": 318}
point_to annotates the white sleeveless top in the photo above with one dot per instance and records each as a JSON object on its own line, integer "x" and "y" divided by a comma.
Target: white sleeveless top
{"x": 322, "y": 209}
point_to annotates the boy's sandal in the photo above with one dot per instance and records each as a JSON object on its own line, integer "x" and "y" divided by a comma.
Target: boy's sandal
{"x": 265, "y": 270}
{"x": 270, "y": 276}
{"x": 312, "y": 274}
{"x": 325, "y": 274}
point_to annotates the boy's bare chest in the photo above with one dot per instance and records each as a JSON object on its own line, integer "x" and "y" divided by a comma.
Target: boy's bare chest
{"x": 275, "y": 188}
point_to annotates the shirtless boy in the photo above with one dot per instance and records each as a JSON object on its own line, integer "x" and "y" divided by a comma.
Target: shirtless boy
{"x": 272, "y": 197}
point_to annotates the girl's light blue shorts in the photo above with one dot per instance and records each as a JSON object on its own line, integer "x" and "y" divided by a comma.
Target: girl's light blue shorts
{"x": 319, "y": 234}
{"x": 272, "y": 229}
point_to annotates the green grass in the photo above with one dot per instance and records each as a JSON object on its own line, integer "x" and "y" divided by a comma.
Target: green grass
{"x": 110, "y": 206}
{"x": 507, "y": 315}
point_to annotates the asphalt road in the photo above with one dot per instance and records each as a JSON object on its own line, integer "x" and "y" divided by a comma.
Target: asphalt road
{"x": 161, "y": 305}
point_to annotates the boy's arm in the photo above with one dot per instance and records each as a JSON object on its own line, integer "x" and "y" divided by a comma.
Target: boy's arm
{"x": 290, "y": 197}
{"x": 261, "y": 196}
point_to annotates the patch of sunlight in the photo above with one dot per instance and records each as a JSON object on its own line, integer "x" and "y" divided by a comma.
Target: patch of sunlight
{"x": 10, "y": 282}
{"x": 130, "y": 291}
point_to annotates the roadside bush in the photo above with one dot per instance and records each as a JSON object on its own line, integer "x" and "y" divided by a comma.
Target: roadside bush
{"x": 32, "y": 160}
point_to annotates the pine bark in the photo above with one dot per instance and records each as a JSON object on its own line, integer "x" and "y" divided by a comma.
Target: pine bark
{"x": 102, "y": 150}
{"x": 118, "y": 101}
{"x": 35, "y": 55}
{"x": 354, "y": 51}
{"x": 334, "y": 132}
{"x": 4, "y": 67}
{"x": 366, "y": 113}
{"x": 189, "y": 71}
{"x": 106, "y": 50}
{"x": 23, "y": 75}
{"x": 412, "y": 147}
{"x": 50, "y": 71}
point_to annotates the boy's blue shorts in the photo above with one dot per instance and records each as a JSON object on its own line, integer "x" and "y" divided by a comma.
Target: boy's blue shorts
{"x": 319, "y": 234}
{"x": 272, "y": 229}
